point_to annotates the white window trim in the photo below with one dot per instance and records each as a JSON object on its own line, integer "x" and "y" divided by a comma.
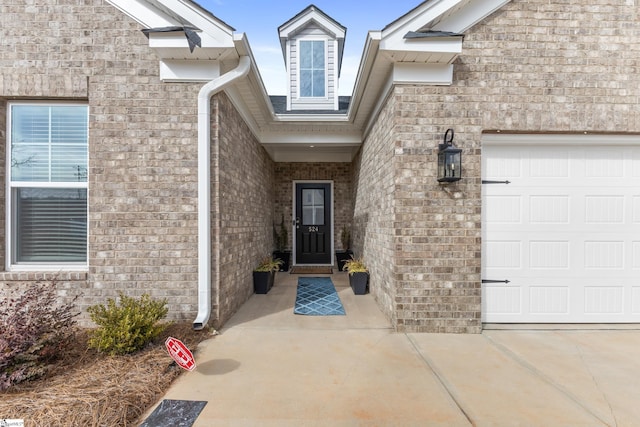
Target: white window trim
{"x": 9, "y": 265}
{"x": 326, "y": 41}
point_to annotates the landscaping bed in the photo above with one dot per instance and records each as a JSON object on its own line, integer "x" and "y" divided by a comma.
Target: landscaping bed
{"x": 87, "y": 388}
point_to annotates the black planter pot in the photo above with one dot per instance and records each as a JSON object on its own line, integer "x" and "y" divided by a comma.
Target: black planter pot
{"x": 358, "y": 282}
{"x": 263, "y": 281}
{"x": 342, "y": 257}
{"x": 285, "y": 256}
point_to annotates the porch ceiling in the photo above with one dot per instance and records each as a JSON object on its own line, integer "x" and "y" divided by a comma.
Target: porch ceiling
{"x": 318, "y": 152}
{"x": 312, "y": 142}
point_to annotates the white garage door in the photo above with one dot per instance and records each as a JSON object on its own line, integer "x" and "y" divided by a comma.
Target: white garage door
{"x": 565, "y": 232}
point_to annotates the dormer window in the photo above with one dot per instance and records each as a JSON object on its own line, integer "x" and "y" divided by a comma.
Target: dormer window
{"x": 312, "y": 45}
{"x": 312, "y": 68}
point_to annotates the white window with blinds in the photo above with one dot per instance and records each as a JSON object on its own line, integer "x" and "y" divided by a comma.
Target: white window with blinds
{"x": 47, "y": 185}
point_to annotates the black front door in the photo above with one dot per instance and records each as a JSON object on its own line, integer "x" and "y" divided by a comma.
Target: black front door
{"x": 313, "y": 223}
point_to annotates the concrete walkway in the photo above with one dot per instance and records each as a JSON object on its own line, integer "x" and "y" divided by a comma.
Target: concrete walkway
{"x": 269, "y": 367}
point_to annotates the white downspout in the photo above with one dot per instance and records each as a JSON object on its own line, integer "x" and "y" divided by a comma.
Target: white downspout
{"x": 204, "y": 187}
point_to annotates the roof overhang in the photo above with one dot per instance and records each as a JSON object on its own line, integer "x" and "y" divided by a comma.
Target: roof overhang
{"x": 418, "y": 48}
{"x": 189, "y": 41}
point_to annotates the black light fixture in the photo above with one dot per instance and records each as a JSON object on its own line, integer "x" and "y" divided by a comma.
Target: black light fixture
{"x": 449, "y": 160}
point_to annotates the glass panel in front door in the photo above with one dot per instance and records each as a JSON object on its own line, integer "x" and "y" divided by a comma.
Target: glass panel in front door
{"x": 312, "y": 206}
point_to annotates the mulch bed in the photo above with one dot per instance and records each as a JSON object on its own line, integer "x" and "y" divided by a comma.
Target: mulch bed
{"x": 85, "y": 388}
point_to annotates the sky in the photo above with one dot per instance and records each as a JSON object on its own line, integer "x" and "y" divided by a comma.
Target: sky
{"x": 260, "y": 20}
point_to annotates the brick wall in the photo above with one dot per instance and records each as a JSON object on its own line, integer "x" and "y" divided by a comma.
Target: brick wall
{"x": 531, "y": 67}
{"x": 245, "y": 187}
{"x": 142, "y": 148}
{"x": 3, "y": 145}
{"x": 374, "y": 224}
{"x": 339, "y": 173}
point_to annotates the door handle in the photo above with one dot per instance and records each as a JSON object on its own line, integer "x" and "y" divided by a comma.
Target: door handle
{"x": 297, "y": 222}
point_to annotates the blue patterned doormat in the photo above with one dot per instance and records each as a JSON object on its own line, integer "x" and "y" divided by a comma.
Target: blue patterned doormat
{"x": 317, "y": 297}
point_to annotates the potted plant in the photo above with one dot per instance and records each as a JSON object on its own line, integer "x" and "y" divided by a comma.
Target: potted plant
{"x": 358, "y": 275}
{"x": 264, "y": 275}
{"x": 281, "y": 239}
{"x": 345, "y": 254}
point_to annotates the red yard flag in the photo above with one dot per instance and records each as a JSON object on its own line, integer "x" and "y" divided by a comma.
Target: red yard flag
{"x": 180, "y": 353}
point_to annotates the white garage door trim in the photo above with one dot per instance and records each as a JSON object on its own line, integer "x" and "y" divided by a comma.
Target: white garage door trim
{"x": 565, "y": 232}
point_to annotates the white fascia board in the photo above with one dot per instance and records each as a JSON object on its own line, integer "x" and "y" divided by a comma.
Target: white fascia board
{"x": 427, "y": 44}
{"x": 468, "y": 16}
{"x": 176, "y": 70}
{"x": 369, "y": 55}
{"x": 414, "y": 73}
{"x": 144, "y": 14}
{"x": 214, "y": 32}
{"x": 418, "y": 17}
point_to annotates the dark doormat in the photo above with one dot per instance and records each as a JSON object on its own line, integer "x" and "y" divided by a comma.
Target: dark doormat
{"x": 311, "y": 269}
{"x": 174, "y": 413}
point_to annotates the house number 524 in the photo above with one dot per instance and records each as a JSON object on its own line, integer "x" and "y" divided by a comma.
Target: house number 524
{"x": 313, "y": 229}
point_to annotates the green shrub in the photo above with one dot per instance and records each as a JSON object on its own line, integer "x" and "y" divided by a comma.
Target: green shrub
{"x": 127, "y": 327}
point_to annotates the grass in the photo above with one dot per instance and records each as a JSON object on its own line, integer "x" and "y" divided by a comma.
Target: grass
{"x": 86, "y": 388}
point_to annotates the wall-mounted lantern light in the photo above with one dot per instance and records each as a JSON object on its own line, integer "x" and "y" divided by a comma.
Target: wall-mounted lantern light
{"x": 449, "y": 160}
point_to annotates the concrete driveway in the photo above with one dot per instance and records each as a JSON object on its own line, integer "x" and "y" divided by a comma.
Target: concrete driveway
{"x": 269, "y": 367}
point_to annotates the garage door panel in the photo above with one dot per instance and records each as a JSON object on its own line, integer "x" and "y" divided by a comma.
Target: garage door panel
{"x": 549, "y": 209}
{"x": 502, "y": 300}
{"x": 565, "y": 233}
{"x": 635, "y": 255}
{"x": 548, "y": 300}
{"x": 635, "y": 209}
{"x": 604, "y": 163}
{"x": 504, "y": 209}
{"x": 604, "y": 209}
{"x": 548, "y": 254}
{"x": 603, "y": 255}
{"x": 505, "y": 254}
{"x": 553, "y": 163}
{"x": 603, "y": 300}
{"x": 635, "y": 300}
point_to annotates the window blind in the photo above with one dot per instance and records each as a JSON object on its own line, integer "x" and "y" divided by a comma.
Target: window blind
{"x": 51, "y": 225}
{"x": 48, "y": 146}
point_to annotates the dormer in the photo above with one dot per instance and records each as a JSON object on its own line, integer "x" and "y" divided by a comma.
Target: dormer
{"x": 312, "y": 45}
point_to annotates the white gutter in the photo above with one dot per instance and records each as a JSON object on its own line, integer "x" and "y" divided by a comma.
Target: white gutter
{"x": 204, "y": 188}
